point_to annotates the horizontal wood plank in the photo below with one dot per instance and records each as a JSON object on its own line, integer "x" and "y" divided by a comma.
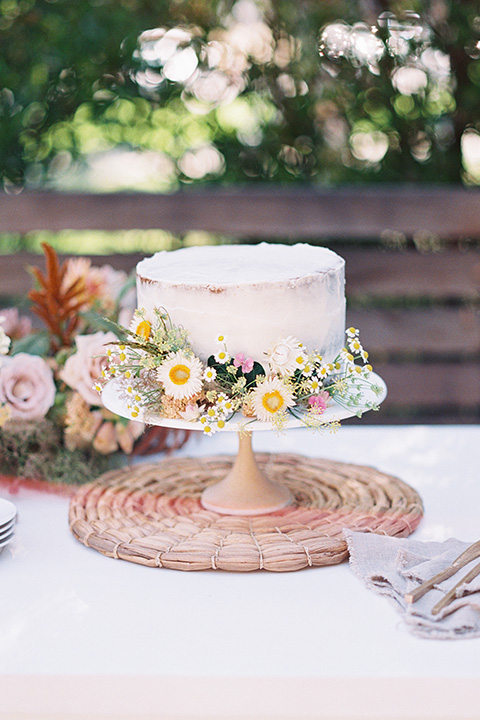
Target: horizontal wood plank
{"x": 441, "y": 386}
{"x": 256, "y": 211}
{"x": 418, "y": 332}
{"x": 381, "y": 273}
{"x": 370, "y": 274}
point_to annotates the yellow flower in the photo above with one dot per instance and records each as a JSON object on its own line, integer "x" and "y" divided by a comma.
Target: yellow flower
{"x": 5, "y": 413}
{"x": 144, "y": 329}
{"x": 140, "y": 325}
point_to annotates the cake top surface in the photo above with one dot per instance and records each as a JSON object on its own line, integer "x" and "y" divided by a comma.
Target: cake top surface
{"x": 233, "y": 264}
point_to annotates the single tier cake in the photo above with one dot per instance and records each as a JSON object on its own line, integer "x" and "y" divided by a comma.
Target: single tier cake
{"x": 253, "y": 294}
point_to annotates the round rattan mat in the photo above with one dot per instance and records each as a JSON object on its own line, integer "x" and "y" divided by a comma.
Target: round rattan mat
{"x": 151, "y": 514}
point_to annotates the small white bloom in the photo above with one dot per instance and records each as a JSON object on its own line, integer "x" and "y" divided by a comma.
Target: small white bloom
{"x": 209, "y": 427}
{"x": 351, "y": 332}
{"x": 222, "y": 339}
{"x": 315, "y": 385}
{"x": 4, "y": 342}
{"x": 307, "y": 369}
{"x": 345, "y": 355}
{"x": 210, "y": 374}
{"x": 212, "y": 413}
{"x": 222, "y": 357}
{"x": 227, "y": 407}
{"x": 181, "y": 376}
{"x": 224, "y": 405}
{"x": 134, "y": 411}
{"x": 355, "y": 345}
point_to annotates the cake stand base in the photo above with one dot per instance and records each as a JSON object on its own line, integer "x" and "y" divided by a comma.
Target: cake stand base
{"x": 246, "y": 490}
{"x": 152, "y": 514}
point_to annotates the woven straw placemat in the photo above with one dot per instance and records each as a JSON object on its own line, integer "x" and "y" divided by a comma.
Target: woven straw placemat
{"x": 151, "y": 514}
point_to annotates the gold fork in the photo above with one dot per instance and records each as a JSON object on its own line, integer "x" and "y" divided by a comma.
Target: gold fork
{"x": 471, "y": 553}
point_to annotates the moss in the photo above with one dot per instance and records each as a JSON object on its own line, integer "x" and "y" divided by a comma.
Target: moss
{"x": 34, "y": 450}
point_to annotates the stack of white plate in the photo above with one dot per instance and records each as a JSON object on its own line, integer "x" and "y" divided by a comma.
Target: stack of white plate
{"x": 8, "y": 514}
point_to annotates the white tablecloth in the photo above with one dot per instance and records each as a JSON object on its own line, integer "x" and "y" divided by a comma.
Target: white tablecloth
{"x": 85, "y": 636}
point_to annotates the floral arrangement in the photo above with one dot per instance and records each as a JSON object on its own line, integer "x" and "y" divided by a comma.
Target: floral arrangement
{"x": 52, "y": 424}
{"x": 160, "y": 373}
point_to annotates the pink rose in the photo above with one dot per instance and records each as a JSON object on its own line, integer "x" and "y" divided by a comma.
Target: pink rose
{"x": 84, "y": 367}
{"x": 27, "y": 386}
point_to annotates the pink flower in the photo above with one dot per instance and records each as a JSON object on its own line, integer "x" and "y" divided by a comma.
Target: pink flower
{"x": 15, "y": 325}
{"x": 101, "y": 284}
{"x": 318, "y": 403}
{"x": 245, "y": 363}
{"x": 84, "y": 367}
{"x": 105, "y": 441}
{"x": 27, "y": 386}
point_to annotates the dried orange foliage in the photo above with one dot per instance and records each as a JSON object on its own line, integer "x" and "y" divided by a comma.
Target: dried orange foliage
{"x": 56, "y": 304}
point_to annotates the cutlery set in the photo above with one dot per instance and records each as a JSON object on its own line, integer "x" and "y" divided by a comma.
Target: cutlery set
{"x": 471, "y": 553}
{"x": 8, "y": 515}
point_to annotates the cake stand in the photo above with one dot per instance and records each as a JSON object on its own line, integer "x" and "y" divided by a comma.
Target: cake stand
{"x": 279, "y": 512}
{"x": 245, "y": 490}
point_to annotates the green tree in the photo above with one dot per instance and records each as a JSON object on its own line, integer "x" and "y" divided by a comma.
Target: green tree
{"x": 243, "y": 90}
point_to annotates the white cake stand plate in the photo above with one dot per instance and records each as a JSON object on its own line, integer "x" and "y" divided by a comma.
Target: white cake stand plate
{"x": 245, "y": 490}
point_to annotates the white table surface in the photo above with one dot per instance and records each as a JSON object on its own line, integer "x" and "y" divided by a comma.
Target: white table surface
{"x": 85, "y": 636}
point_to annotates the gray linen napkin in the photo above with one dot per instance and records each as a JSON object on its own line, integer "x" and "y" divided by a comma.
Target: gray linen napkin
{"x": 394, "y": 566}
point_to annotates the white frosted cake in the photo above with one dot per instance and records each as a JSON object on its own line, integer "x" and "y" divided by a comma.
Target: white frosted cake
{"x": 253, "y": 294}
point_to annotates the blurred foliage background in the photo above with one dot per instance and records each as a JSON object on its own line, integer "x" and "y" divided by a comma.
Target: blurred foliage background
{"x": 143, "y": 95}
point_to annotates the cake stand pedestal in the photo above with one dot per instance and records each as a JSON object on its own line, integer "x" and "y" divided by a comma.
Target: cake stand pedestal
{"x": 246, "y": 490}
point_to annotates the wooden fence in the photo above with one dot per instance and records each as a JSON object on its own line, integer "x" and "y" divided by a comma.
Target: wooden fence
{"x": 418, "y": 309}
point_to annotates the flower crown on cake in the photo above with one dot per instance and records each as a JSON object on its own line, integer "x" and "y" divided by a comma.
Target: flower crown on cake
{"x": 160, "y": 373}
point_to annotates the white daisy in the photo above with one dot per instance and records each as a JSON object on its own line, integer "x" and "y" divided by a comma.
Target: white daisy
{"x": 222, "y": 339}
{"x": 181, "y": 376}
{"x": 271, "y": 398}
{"x": 351, "y": 332}
{"x": 209, "y": 427}
{"x": 355, "y": 345}
{"x": 283, "y": 357}
{"x": 222, "y": 357}
{"x": 224, "y": 405}
{"x": 210, "y": 374}
{"x": 4, "y": 341}
{"x": 212, "y": 413}
{"x": 345, "y": 355}
{"x": 315, "y": 385}
{"x": 307, "y": 369}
